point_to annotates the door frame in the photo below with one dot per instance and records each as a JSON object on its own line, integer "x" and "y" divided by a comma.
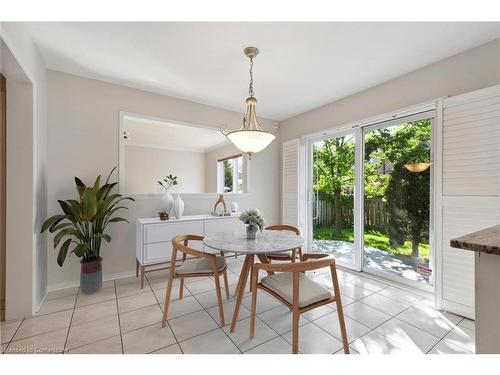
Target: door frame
{"x": 358, "y": 152}
{"x": 424, "y": 110}
{"x": 417, "y": 116}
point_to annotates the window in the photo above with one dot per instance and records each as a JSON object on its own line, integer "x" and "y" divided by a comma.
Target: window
{"x": 230, "y": 174}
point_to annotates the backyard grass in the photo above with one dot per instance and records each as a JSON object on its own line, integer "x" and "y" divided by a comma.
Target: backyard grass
{"x": 374, "y": 239}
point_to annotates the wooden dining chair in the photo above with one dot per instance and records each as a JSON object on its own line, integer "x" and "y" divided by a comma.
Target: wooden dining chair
{"x": 200, "y": 265}
{"x": 290, "y": 285}
{"x": 285, "y": 256}
{"x": 292, "y": 255}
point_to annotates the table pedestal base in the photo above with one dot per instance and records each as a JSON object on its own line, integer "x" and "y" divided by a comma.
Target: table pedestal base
{"x": 242, "y": 282}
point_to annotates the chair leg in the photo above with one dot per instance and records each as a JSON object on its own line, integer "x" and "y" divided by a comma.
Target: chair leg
{"x": 254, "y": 304}
{"x": 300, "y": 254}
{"x": 340, "y": 310}
{"x": 181, "y": 288}
{"x": 167, "y": 294}
{"x": 136, "y": 268}
{"x": 219, "y": 296}
{"x": 295, "y": 332}
{"x": 295, "y": 315}
{"x": 294, "y": 256}
{"x": 226, "y": 284}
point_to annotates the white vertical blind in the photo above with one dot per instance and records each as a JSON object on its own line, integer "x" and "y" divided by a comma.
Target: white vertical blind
{"x": 470, "y": 187}
{"x": 290, "y": 182}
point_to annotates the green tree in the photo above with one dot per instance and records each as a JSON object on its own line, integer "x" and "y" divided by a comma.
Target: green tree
{"x": 406, "y": 193}
{"x": 408, "y": 198}
{"x": 228, "y": 176}
{"x": 334, "y": 172}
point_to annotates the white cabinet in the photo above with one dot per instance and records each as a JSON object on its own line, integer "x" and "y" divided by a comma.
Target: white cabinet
{"x": 154, "y": 237}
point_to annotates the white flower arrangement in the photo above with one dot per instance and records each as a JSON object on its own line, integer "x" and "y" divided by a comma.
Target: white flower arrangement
{"x": 253, "y": 218}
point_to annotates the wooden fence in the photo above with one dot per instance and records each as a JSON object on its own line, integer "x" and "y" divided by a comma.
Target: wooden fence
{"x": 324, "y": 213}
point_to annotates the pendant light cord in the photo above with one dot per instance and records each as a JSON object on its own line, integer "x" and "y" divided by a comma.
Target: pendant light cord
{"x": 250, "y": 88}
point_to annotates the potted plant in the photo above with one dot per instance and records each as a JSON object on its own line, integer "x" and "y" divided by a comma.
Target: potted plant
{"x": 167, "y": 198}
{"x": 254, "y": 220}
{"x": 82, "y": 226}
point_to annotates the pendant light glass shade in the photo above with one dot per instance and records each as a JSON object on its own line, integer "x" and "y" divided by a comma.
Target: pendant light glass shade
{"x": 251, "y": 141}
{"x": 251, "y": 137}
{"x": 417, "y": 167}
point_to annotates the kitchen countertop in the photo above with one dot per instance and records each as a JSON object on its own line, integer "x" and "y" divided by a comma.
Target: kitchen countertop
{"x": 485, "y": 240}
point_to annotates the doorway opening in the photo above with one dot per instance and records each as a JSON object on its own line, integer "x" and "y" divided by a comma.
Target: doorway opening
{"x": 371, "y": 203}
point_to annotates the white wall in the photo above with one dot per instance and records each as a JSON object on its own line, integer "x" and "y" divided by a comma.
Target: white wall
{"x": 28, "y": 195}
{"x": 19, "y": 198}
{"x": 471, "y": 70}
{"x": 82, "y": 141}
{"x": 146, "y": 165}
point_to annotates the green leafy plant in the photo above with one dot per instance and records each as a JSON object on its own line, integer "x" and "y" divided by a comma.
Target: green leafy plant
{"x": 253, "y": 218}
{"x": 168, "y": 182}
{"x": 83, "y": 223}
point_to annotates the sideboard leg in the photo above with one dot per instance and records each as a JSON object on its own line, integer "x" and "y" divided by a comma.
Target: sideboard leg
{"x": 142, "y": 277}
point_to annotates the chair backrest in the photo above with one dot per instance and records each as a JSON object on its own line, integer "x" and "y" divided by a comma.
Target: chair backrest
{"x": 318, "y": 261}
{"x": 181, "y": 243}
{"x": 286, "y": 227}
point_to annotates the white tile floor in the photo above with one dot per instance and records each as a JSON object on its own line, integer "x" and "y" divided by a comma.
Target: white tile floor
{"x": 122, "y": 318}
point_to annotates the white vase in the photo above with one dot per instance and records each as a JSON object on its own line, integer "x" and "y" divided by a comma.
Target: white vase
{"x": 178, "y": 207}
{"x": 167, "y": 202}
{"x": 234, "y": 206}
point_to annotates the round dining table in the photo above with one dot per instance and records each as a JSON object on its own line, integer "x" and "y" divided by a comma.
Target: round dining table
{"x": 267, "y": 241}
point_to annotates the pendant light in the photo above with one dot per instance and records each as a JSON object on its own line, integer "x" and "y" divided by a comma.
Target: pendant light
{"x": 417, "y": 167}
{"x": 251, "y": 137}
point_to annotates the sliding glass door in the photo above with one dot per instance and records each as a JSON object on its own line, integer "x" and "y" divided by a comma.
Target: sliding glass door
{"x": 333, "y": 171}
{"x": 371, "y": 201}
{"x": 397, "y": 199}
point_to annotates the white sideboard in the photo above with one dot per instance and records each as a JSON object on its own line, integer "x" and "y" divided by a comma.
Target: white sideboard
{"x": 154, "y": 236}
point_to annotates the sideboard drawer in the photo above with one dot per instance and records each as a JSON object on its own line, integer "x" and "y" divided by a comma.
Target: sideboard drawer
{"x": 158, "y": 252}
{"x": 162, "y": 251}
{"x": 165, "y": 231}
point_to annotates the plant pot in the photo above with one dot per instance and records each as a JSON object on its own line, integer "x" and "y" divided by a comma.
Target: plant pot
{"x": 91, "y": 276}
{"x": 251, "y": 233}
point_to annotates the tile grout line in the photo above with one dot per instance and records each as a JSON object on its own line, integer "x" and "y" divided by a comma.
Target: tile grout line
{"x": 278, "y": 335}
{"x": 118, "y": 314}
{"x": 447, "y": 333}
{"x": 218, "y": 325}
{"x": 414, "y": 326}
{"x": 71, "y": 321}
{"x": 161, "y": 309}
{"x": 395, "y": 317}
{"x": 14, "y": 335}
{"x": 222, "y": 328}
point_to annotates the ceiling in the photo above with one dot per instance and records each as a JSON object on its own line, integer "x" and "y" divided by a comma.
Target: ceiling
{"x": 300, "y": 66}
{"x": 147, "y": 132}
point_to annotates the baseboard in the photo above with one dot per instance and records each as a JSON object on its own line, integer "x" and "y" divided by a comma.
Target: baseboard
{"x": 76, "y": 283}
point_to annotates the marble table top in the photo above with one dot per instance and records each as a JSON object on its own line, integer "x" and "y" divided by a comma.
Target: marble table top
{"x": 486, "y": 240}
{"x": 267, "y": 241}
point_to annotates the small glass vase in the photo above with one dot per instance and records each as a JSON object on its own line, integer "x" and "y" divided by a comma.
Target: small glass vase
{"x": 251, "y": 232}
